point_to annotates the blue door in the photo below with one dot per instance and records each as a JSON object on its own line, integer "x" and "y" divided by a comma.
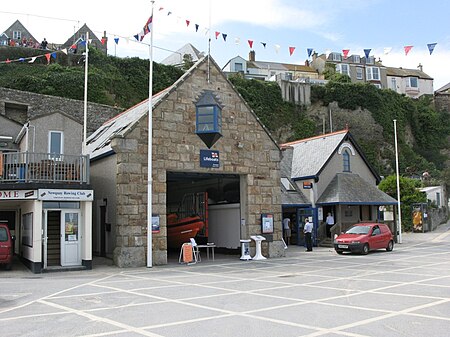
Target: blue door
{"x": 302, "y": 214}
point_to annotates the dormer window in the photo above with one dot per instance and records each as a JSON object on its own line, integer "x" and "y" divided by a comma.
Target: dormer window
{"x": 208, "y": 118}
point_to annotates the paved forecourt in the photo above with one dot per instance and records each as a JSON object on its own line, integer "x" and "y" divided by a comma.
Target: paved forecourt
{"x": 401, "y": 293}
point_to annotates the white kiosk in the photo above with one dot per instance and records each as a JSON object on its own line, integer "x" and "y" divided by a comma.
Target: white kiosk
{"x": 258, "y": 239}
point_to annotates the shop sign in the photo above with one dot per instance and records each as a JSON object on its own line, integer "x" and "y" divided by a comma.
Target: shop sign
{"x": 17, "y": 194}
{"x": 65, "y": 195}
{"x": 209, "y": 158}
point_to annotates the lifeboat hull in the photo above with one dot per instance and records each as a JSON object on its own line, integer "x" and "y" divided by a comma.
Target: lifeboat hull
{"x": 180, "y": 231}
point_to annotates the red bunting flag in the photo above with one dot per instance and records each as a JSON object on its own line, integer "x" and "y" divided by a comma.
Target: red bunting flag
{"x": 74, "y": 46}
{"x": 407, "y": 49}
{"x": 8, "y": 61}
{"x": 250, "y": 43}
{"x": 47, "y": 56}
{"x": 291, "y": 50}
{"x": 345, "y": 52}
{"x": 187, "y": 23}
{"x": 103, "y": 40}
{"x": 217, "y": 34}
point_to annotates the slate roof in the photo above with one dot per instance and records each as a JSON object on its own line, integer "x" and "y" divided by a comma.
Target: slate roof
{"x": 402, "y": 72}
{"x": 310, "y": 155}
{"x": 444, "y": 89}
{"x": 280, "y": 66}
{"x": 351, "y": 189}
{"x": 290, "y": 197}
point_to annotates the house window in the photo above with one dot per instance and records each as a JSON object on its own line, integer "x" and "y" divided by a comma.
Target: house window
{"x": 346, "y": 157}
{"x": 394, "y": 83}
{"x": 373, "y": 73}
{"x": 356, "y": 59}
{"x": 378, "y": 85}
{"x": 335, "y": 56}
{"x": 238, "y": 67}
{"x": 55, "y": 144}
{"x": 359, "y": 73}
{"x": 343, "y": 69}
{"x": 17, "y": 35}
{"x": 412, "y": 82}
{"x": 438, "y": 199}
{"x": 370, "y": 60}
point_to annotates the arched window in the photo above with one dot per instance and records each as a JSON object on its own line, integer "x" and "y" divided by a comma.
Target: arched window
{"x": 346, "y": 157}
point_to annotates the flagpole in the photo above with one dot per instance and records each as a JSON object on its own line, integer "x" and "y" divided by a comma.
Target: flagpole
{"x": 84, "y": 150}
{"x": 149, "y": 152}
{"x": 398, "y": 185}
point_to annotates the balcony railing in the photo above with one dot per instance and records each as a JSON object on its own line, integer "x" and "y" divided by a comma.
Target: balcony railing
{"x": 26, "y": 167}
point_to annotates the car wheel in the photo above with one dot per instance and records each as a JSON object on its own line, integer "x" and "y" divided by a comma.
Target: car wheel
{"x": 339, "y": 252}
{"x": 390, "y": 246}
{"x": 365, "y": 249}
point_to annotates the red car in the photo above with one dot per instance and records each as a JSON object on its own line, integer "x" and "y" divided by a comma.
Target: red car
{"x": 6, "y": 246}
{"x": 364, "y": 237}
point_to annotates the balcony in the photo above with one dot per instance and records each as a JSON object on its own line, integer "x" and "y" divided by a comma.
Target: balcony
{"x": 26, "y": 167}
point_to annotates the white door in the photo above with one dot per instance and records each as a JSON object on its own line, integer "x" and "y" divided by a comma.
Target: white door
{"x": 70, "y": 238}
{"x": 44, "y": 239}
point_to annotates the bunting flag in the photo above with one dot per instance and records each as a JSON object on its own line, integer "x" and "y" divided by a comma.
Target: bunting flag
{"x": 64, "y": 51}
{"x": 345, "y": 53}
{"x": 103, "y": 41}
{"x": 168, "y": 13}
{"x": 83, "y": 43}
{"x": 291, "y": 50}
{"x": 8, "y": 61}
{"x": 431, "y": 47}
{"x": 161, "y": 8}
{"x": 116, "y": 40}
{"x": 367, "y": 52}
{"x": 21, "y": 59}
{"x": 54, "y": 55}
{"x": 187, "y": 23}
{"x": 277, "y": 48}
{"x": 47, "y": 56}
{"x": 74, "y": 46}
{"x": 309, "y": 51}
{"x": 32, "y": 59}
{"x": 237, "y": 40}
{"x": 217, "y": 34}
{"x": 387, "y": 50}
{"x": 196, "y": 28}
{"x": 250, "y": 43}
{"x": 407, "y": 49}
{"x": 147, "y": 27}
{"x": 135, "y": 36}
{"x": 224, "y": 37}
{"x": 264, "y": 44}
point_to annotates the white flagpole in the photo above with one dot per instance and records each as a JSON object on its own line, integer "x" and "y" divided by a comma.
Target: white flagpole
{"x": 149, "y": 155}
{"x": 398, "y": 186}
{"x": 84, "y": 150}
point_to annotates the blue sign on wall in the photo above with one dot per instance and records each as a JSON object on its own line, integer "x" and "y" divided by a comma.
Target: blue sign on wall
{"x": 209, "y": 158}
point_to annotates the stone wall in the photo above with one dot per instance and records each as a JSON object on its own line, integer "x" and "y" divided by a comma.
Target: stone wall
{"x": 176, "y": 147}
{"x": 22, "y": 105}
{"x": 442, "y": 102}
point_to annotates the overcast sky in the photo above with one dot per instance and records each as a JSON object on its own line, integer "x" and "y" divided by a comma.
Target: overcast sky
{"x": 320, "y": 24}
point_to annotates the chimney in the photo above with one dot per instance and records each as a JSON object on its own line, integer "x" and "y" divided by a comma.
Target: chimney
{"x": 251, "y": 55}
{"x": 307, "y": 63}
{"x": 420, "y": 67}
{"x": 314, "y": 56}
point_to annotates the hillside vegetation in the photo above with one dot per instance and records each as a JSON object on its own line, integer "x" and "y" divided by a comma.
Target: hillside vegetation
{"x": 368, "y": 112}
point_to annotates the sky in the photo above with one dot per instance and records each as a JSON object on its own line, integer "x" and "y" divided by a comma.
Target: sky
{"x": 323, "y": 25}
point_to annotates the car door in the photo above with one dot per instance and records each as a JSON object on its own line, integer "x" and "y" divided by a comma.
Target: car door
{"x": 377, "y": 238}
{"x": 5, "y": 246}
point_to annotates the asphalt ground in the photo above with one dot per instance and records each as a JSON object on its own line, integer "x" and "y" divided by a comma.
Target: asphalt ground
{"x": 405, "y": 292}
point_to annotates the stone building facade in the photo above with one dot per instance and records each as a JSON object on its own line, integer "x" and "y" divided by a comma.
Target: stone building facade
{"x": 246, "y": 150}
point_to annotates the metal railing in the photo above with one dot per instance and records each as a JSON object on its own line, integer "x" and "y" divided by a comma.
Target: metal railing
{"x": 26, "y": 167}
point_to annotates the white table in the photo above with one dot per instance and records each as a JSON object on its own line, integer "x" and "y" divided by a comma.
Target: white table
{"x": 208, "y": 246}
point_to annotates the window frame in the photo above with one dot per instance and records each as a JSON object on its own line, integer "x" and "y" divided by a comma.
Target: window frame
{"x": 346, "y": 161}
{"x": 340, "y": 66}
{"x": 359, "y": 73}
{"x": 408, "y": 82}
{"x": 17, "y": 35}
{"x": 216, "y": 119}
{"x": 55, "y": 155}
{"x": 370, "y": 74}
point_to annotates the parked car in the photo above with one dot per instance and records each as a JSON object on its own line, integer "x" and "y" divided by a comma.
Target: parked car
{"x": 364, "y": 237}
{"x": 6, "y": 246}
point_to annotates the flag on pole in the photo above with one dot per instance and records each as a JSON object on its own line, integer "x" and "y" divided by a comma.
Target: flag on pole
{"x": 145, "y": 30}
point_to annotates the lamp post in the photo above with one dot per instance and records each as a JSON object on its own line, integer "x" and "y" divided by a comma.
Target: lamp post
{"x": 399, "y": 238}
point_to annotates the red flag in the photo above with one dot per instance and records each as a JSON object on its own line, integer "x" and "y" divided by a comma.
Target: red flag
{"x": 103, "y": 40}
{"x": 291, "y": 50}
{"x": 47, "y": 56}
{"x": 8, "y": 61}
{"x": 187, "y": 23}
{"x": 345, "y": 52}
{"x": 407, "y": 49}
{"x": 250, "y": 43}
{"x": 217, "y": 34}
{"x": 74, "y": 46}
{"x": 148, "y": 26}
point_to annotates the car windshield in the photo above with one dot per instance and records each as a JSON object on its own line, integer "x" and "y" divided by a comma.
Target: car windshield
{"x": 358, "y": 230}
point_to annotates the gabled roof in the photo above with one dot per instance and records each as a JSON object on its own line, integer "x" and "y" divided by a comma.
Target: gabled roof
{"x": 351, "y": 189}
{"x": 99, "y": 143}
{"x": 279, "y": 66}
{"x": 176, "y": 58}
{"x": 402, "y": 72}
{"x": 444, "y": 89}
{"x": 290, "y": 197}
{"x": 18, "y": 25}
{"x": 312, "y": 154}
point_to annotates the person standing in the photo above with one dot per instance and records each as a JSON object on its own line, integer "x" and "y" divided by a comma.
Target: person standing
{"x": 330, "y": 223}
{"x": 308, "y": 235}
{"x": 287, "y": 230}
